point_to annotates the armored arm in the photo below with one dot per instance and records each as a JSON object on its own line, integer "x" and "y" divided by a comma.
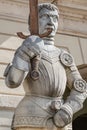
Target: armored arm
{"x": 14, "y": 76}
{"x": 16, "y": 72}
{"x": 77, "y": 95}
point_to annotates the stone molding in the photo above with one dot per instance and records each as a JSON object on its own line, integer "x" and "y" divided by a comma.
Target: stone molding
{"x": 9, "y": 101}
{"x": 5, "y": 122}
{"x": 14, "y": 10}
{"x": 68, "y": 9}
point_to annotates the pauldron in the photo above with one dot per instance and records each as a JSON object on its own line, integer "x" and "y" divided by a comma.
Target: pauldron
{"x": 67, "y": 60}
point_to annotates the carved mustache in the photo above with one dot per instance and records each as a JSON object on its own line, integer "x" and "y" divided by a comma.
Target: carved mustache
{"x": 49, "y": 25}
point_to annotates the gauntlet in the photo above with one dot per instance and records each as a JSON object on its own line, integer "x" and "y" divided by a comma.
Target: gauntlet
{"x": 30, "y": 48}
{"x": 62, "y": 118}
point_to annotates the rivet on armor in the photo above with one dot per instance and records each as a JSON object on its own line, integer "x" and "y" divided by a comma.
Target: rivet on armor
{"x": 66, "y": 59}
{"x": 55, "y": 105}
{"x": 80, "y": 85}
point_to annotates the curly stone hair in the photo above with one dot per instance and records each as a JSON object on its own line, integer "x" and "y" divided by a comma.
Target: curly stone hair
{"x": 48, "y": 6}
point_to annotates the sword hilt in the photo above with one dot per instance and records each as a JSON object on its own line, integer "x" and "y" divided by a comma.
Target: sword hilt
{"x": 21, "y": 35}
{"x": 35, "y": 60}
{"x": 34, "y": 66}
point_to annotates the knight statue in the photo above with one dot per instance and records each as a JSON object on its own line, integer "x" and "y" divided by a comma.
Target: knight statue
{"x": 43, "y": 106}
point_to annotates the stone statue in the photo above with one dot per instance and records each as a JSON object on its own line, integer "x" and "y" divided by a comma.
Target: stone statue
{"x": 43, "y": 106}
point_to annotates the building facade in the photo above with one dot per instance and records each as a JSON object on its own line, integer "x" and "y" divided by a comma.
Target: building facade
{"x": 71, "y": 35}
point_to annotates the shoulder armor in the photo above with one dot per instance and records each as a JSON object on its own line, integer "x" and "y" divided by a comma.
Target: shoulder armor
{"x": 80, "y": 85}
{"x": 66, "y": 59}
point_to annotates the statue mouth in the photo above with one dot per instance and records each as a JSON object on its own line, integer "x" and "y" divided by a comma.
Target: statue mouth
{"x": 50, "y": 27}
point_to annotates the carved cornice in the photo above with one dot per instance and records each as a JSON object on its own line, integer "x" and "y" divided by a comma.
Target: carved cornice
{"x": 9, "y": 101}
{"x": 67, "y": 8}
{"x": 76, "y": 9}
{"x": 14, "y": 10}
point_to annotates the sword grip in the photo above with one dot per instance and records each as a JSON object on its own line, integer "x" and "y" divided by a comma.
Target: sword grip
{"x": 34, "y": 66}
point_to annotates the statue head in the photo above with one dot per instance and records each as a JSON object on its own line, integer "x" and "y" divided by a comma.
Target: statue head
{"x": 48, "y": 18}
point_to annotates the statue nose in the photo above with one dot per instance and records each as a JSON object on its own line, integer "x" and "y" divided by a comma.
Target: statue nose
{"x": 50, "y": 20}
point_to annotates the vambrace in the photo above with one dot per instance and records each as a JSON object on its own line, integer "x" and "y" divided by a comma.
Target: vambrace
{"x": 75, "y": 82}
{"x": 73, "y": 104}
{"x": 78, "y": 92}
{"x": 76, "y": 98}
{"x": 20, "y": 64}
{"x": 16, "y": 72}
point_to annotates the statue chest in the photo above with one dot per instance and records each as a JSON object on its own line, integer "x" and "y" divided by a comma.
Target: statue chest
{"x": 52, "y": 79}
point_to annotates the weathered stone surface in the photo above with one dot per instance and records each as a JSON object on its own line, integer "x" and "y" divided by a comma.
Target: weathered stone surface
{"x": 11, "y": 43}
{"x": 6, "y": 56}
{"x": 5, "y": 122}
{"x": 9, "y": 101}
{"x": 5, "y": 90}
{"x": 5, "y": 128}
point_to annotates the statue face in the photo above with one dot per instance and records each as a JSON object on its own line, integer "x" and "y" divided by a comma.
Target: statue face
{"x": 48, "y": 19}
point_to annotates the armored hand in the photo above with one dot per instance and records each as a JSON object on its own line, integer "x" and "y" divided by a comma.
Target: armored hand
{"x": 73, "y": 104}
{"x": 30, "y": 49}
{"x": 62, "y": 118}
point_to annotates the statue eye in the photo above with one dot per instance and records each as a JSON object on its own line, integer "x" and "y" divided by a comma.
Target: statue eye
{"x": 44, "y": 16}
{"x": 55, "y": 18}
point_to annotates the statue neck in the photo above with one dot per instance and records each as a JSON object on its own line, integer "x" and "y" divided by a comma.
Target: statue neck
{"x": 48, "y": 40}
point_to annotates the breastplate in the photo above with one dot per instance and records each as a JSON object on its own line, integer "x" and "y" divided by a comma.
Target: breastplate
{"x": 33, "y": 111}
{"x": 52, "y": 79}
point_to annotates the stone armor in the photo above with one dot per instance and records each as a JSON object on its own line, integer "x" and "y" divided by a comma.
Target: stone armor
{"x": 43, "y": 105}
{"x": 43, "y": 102}
{"x": 35, "y": 110}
